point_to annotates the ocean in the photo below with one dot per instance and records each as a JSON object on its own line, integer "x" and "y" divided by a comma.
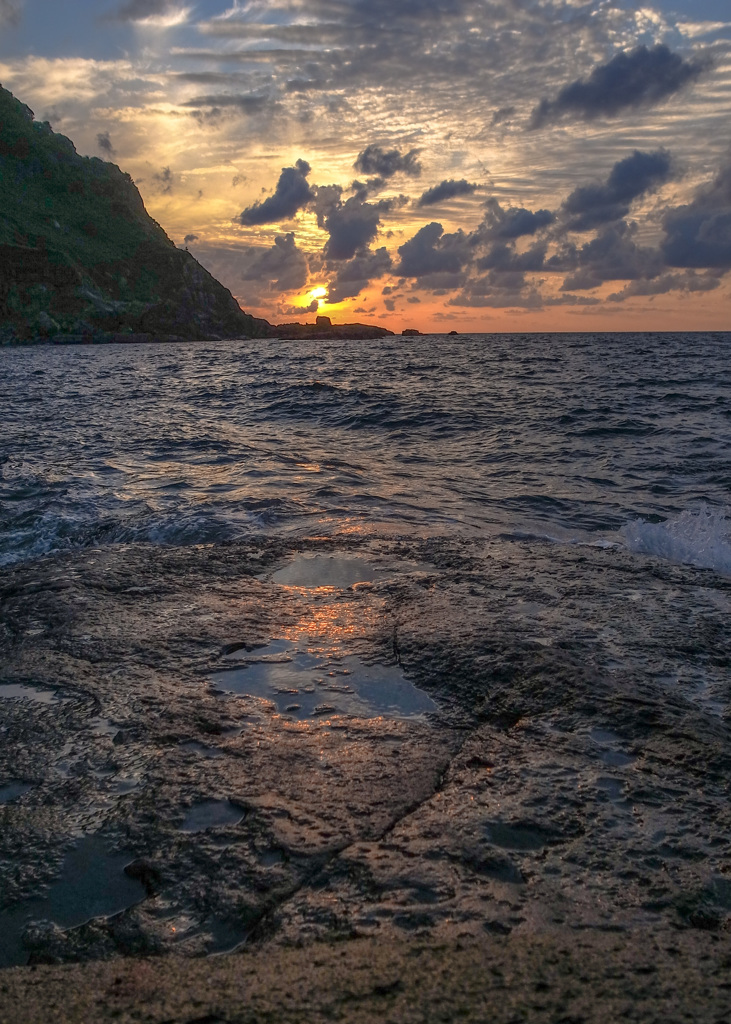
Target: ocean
{"x": 518, "y": 545}
{"x": 617, "y": 439}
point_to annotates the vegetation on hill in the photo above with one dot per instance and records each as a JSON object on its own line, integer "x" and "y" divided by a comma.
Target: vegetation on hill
{"x": 79, "y": 254}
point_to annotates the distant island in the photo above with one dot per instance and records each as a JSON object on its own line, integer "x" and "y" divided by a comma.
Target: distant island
{"x": 81, "y": 260}
{"x": 325, "y": 328}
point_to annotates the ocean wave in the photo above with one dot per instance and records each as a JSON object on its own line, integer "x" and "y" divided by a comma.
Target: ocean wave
{"x": 700, "y": 537}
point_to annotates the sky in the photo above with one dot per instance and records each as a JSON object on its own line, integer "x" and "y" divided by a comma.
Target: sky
{"x": 467, "y": 165}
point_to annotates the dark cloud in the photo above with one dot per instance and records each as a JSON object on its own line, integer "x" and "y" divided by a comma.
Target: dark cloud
{"x": 504, "y": 257}
{"x": 372, "y": 186}
{"x": 385, "y": 163}
{"x": 284, "y": 264}
{"x": 355, "y": 275}
{"x": 189, "y": 239}
{"x": 247, "y": 103}
{"x": 687, "y": 282}
{"x": 699, "y": 234}
{"x": 164, "y": 181}
{"x": 10, "y": 11}
{"x": 326, "y": 198}
{"x": 306, "y": 85}
{"x": 446, "y": 190}
{"x": 498, "y": 290}
{"x": 640, "y": 78}
{"x": 291, "y": 194}
{"x": 514, "y": 222}
{"x": 311, "y": 307}
{"x": 104, "y": 143}
{"x": 512, "y": 291}
{"x": 352, "y": 226}
{"x": 502, "y": 114}
{"x": 431, "y": 252}
{"x": 593, "y": 205}
{"x": 138, "y": 10}
{"x": 613, "y": 256}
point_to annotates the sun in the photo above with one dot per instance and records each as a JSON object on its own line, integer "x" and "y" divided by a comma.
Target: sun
{"x": 318, "y": 293}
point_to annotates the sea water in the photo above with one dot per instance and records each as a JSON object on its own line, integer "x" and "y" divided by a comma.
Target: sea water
{"x": 579, "y": 438}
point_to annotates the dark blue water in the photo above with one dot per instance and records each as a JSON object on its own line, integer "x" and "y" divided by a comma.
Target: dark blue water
{"x": 603, "y": 438}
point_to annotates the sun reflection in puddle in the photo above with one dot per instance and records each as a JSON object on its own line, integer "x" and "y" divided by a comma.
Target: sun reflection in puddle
{"x": 311, "y": 670}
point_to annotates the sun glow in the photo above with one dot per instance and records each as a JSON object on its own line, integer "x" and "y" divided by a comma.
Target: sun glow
{"x": 317, "y": 293}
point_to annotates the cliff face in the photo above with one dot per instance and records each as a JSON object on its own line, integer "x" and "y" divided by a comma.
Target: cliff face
{"x": 80, "y": 255}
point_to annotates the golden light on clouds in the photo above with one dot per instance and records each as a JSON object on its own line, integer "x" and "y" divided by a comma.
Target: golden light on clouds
{"x": 410, "y": 121}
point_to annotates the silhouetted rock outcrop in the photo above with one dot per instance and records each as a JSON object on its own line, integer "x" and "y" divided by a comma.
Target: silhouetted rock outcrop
{"x": 325, "y": 328}
{"x": 80, "y": 257}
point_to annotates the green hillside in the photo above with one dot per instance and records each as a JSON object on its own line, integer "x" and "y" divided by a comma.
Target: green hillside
{"x": 79, "y": 254}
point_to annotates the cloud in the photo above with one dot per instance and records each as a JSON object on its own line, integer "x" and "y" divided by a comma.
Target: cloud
{"x": 311, "y": 307}
{"x": 292, "y": 193}
{"x": 355, "y": 275}
{"x": 590, "y": 206}
{"x": 325, "y": 199}
{"x": 10, "y": 11}
{"x": 104, "y": 143}
{"x": 687, "y": 282}
{"x": 385, "y": 163}
{"x": 512, "y": 291}
{"x": 515, "y": 222}
{"x": 498, "y": 290}
{"x": 504, "y": 257}
{"x": 160, "y": 13}
{"x": 637, "y": 79}
{"x": 431, "y": 252}
{"x": 446, "y": 190}
{"x": 247, "y": 104}
{"x": 189, "y": 239}
{"x": 164, "y": 181}
{"x": 699, "y": 233}
{"x": 283, "y": 265}
{"x": 613, "y": 256}
{"x": 352, "y": 225}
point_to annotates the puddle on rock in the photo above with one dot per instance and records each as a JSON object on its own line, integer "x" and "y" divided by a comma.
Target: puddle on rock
{"x": 92, "y": 884}
{"x": 515, "y": 837}
{"x": 324, "y": 571}
{"x": 194, "y": 747}
{"x": 302, "y": 686}
{"x": 23, "y": 692}
{"x": 612, "y": 787}
{"x": 12, "y": 790}
{"x": 610, "y": 755}
{"x": 212, "y": 814}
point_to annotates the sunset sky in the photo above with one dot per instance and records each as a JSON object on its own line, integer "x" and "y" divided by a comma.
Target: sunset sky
{"x": 476, "y": 165}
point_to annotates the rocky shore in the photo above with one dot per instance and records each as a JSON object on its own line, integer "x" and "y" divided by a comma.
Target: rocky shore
{"x": 548, "y": 844}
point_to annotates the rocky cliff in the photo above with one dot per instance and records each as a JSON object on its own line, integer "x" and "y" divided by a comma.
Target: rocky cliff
{"x": 80, "y": 257}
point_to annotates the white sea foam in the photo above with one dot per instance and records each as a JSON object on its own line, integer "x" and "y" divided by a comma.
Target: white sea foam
{"x": 700, "y": 537}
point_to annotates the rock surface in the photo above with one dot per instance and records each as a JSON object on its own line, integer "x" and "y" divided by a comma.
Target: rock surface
{"x": 550, "y": 845}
